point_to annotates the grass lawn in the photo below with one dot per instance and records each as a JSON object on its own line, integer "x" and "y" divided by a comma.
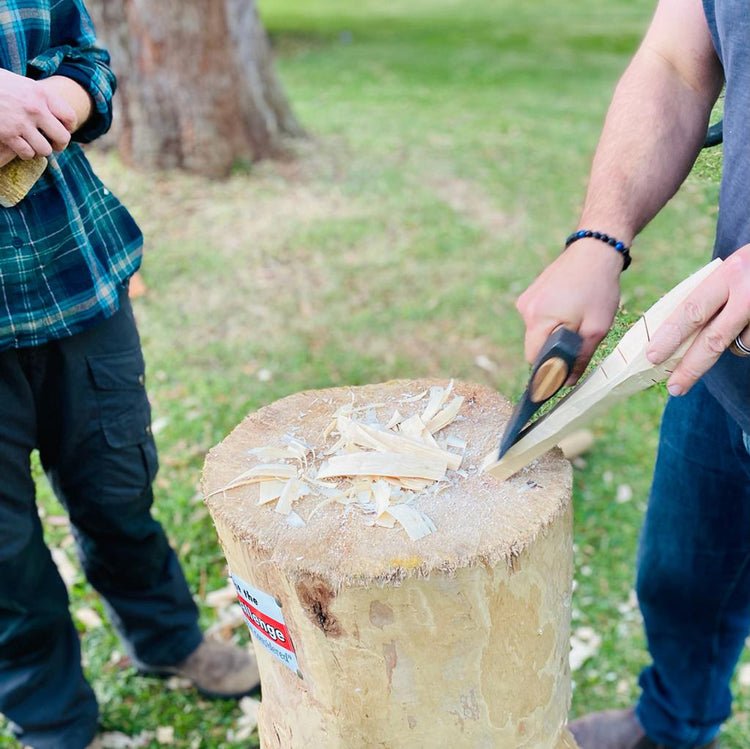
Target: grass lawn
{"x": 450, "y": 146}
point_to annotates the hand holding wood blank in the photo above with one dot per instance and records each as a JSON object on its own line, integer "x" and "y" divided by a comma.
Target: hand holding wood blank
{"x": 626, "y": 371}
{"x": 715, "y": 313}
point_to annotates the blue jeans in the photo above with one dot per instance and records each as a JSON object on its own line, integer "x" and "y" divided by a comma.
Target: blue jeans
{"x": 81, "y": 401}
{"x": 694, "y": 571}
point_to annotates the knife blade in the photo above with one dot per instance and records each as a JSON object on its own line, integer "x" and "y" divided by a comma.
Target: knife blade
{"x": 551, "y": 369}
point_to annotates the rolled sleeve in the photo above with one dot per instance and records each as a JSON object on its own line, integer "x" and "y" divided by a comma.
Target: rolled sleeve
{"x": 75, "y": 55}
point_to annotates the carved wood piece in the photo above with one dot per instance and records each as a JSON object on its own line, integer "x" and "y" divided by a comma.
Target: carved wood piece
{"x": 624, "y": 372}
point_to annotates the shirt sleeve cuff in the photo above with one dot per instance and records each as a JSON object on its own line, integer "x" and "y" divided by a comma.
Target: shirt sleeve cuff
{"x": 100, "y": 119}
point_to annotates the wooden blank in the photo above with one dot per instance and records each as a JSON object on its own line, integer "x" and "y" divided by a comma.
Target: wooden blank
{"x": 624, "y": 372}
{"x": 17, "y": 178}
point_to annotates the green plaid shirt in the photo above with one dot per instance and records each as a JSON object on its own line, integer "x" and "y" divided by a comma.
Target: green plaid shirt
{"x": 67, "y": 250}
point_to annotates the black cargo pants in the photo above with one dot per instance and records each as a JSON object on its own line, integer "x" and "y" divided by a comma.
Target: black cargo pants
{"x": 82, "y": 402}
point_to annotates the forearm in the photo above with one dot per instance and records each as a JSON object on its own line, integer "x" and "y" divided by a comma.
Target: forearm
{"x": 652, "y": 134}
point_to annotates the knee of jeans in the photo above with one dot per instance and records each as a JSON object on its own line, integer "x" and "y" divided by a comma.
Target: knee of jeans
{"x": 658, "y": 582}
{"x": 670, "y": 591}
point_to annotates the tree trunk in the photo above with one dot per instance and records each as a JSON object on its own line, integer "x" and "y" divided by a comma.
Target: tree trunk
{"x": 197, "y": 86}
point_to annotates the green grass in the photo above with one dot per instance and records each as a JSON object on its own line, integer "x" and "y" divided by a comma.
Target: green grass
{"x": 450, "y": 147}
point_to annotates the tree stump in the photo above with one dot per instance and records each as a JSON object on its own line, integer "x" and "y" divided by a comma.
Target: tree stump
{"x": 460, "y": 638}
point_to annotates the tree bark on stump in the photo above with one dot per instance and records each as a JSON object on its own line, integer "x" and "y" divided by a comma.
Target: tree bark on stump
{"x": 197, "y": 85}
{"x": 458, "y": 639}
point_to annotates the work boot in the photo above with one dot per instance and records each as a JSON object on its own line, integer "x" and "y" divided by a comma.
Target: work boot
{"x": 216, "y": 669}
{"x": 617, "y": 729}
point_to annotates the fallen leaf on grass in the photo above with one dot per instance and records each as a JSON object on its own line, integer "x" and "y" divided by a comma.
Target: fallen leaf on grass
{"x": 218, "y": 599}
{"x": 88, "y": 617}
{"x": 624, "y": 494}
{"x": 248, "y": 721}
{"x": 178, "y": 684}
{"x": 584, "y": 643}
{"x": 119, "y": 740}
{"x": 65, "y": 567}
{"x": 230, "y": 619}
{"x": 165, "y": 734}
{"x": 484, "y": 362}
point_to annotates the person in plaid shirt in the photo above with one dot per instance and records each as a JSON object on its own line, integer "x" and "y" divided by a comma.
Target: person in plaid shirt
{"x": 72, "y": 386}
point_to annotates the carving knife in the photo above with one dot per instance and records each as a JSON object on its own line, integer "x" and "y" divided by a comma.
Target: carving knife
{"x": 550, "y": 371}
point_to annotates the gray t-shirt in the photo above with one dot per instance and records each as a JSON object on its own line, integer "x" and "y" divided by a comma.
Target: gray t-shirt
{"x": 729, "y": 21}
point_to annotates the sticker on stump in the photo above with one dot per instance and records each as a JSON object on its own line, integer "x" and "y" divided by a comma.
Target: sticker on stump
{"x": 265, "y": 620}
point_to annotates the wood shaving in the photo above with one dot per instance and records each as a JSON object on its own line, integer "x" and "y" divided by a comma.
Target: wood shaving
{"x": 395, "y": 420}
{"x": 414, "y": 398}
{"x": 415, "y": 523}
{"x": 384, "y": 464}
{"x": 270, "y": 453}
{"x": 376, "y": 468}
{"x": 270, "y": 490}
{"x": 292, "y": 491}
{"x": 262, "y": 472}
{"x": 438, "y": 397}
{"x": 444, "y": 417}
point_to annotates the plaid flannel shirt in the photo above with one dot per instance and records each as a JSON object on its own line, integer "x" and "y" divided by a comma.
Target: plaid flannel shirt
{"x": 67, "y": 250}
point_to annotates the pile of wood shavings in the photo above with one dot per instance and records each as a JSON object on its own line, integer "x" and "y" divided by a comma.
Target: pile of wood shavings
{"x": 372, "y": 467}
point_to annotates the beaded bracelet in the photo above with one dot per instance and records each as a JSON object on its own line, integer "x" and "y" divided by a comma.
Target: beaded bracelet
{"x": 611, "y": 241}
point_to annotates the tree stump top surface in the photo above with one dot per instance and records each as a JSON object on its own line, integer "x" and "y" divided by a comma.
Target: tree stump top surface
{"x": 479, "y": 520}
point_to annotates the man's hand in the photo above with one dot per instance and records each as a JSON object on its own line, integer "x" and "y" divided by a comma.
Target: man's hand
{"x": 34, "y": 120}
{"x": 73, "y": 94}
{"x": 581, "y": 290}
{"x": 719, "y": 309}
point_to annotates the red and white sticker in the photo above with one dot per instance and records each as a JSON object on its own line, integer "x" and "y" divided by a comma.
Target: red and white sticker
{"x": 265, "y": 620}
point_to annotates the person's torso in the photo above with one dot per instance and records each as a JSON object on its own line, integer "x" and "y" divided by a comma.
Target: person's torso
{"x": 68, "y": 247}
{"x": 729, "y": 23}
{"x": 24, "y": 32}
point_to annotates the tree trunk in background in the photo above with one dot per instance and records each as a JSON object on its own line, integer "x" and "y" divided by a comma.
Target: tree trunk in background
{"x": 197, "y": 86}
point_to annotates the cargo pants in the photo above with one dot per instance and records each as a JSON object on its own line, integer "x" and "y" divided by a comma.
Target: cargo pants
{"x": 81, "y": 401}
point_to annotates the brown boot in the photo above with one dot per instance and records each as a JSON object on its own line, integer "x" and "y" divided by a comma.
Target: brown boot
{"x": 616, "y": 729}
{"x": 216, "y": 669}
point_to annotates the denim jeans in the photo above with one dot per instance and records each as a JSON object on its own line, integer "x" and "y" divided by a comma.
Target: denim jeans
{"x": 694, "y": 571}
{"x": 82, "y": 402}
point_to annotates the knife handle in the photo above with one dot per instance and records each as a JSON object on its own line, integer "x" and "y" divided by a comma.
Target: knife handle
{"x": 554, "y": 364}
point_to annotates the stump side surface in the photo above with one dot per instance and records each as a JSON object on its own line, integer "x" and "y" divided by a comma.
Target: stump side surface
{"x": 479, "y": 519}
{"x": 477, "y": 658}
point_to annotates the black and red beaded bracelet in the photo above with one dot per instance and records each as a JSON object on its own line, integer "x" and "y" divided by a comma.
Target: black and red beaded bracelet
{"x": 611, "y": 241}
